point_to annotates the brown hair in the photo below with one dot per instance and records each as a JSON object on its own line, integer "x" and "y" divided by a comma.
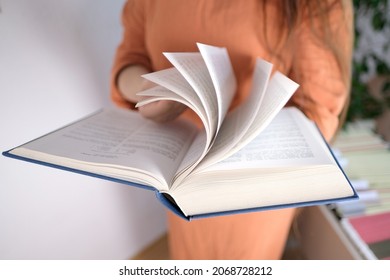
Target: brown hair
{"x": 317, "y": 13}
{"x": 295, "y": 10}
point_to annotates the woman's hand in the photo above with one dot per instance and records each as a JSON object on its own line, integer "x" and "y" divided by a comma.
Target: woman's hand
{"x": 162, "y": 111}
{"x": 130, "y": 82}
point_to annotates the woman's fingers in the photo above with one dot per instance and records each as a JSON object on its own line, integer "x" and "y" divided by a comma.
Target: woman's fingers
{"x": 162, "y": 111}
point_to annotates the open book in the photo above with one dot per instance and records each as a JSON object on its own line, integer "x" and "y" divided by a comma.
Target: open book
{"x": 258, "y": 156}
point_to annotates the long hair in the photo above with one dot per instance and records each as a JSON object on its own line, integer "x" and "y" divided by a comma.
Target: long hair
{"x": 316, "y": 13}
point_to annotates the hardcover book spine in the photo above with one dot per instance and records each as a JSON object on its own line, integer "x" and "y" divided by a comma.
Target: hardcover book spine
{"x": 169, "y": 202}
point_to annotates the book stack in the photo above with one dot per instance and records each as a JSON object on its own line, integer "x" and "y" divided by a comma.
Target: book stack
{"x": 365, "y": 157}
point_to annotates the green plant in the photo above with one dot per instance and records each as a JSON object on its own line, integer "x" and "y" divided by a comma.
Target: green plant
{"x": 363, "y": 104}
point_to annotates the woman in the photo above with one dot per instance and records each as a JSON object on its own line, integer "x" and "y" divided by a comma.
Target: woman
{"x": 310, "y": 41}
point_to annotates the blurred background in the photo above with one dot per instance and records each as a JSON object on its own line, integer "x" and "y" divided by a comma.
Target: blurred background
{"x": 55, "y": 60}
{"x": 370, "y": 95}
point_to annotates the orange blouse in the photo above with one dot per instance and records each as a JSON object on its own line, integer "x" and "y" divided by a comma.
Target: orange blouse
{"x": 153, "y": 27}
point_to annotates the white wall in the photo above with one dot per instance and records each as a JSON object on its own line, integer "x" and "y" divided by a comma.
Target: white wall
{"x": 55, "y": 58}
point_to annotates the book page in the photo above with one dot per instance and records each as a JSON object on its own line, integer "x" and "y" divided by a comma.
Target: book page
{"x": 279, "y": 90}
{"x": 194, "y": 70}
{"x": 191, "y": 159}
{"x": 159, "y": 93}
{"x": 172, "y": 80}
{"x": 221, "y": 72}
{"x": 289, "y": 140}
{"x": 201, "y": 143}
{"x": 122, "y": 139}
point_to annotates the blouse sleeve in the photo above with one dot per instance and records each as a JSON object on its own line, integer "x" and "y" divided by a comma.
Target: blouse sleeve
{"x": 323, "y": 88}
{"x": 132, "y": 49}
